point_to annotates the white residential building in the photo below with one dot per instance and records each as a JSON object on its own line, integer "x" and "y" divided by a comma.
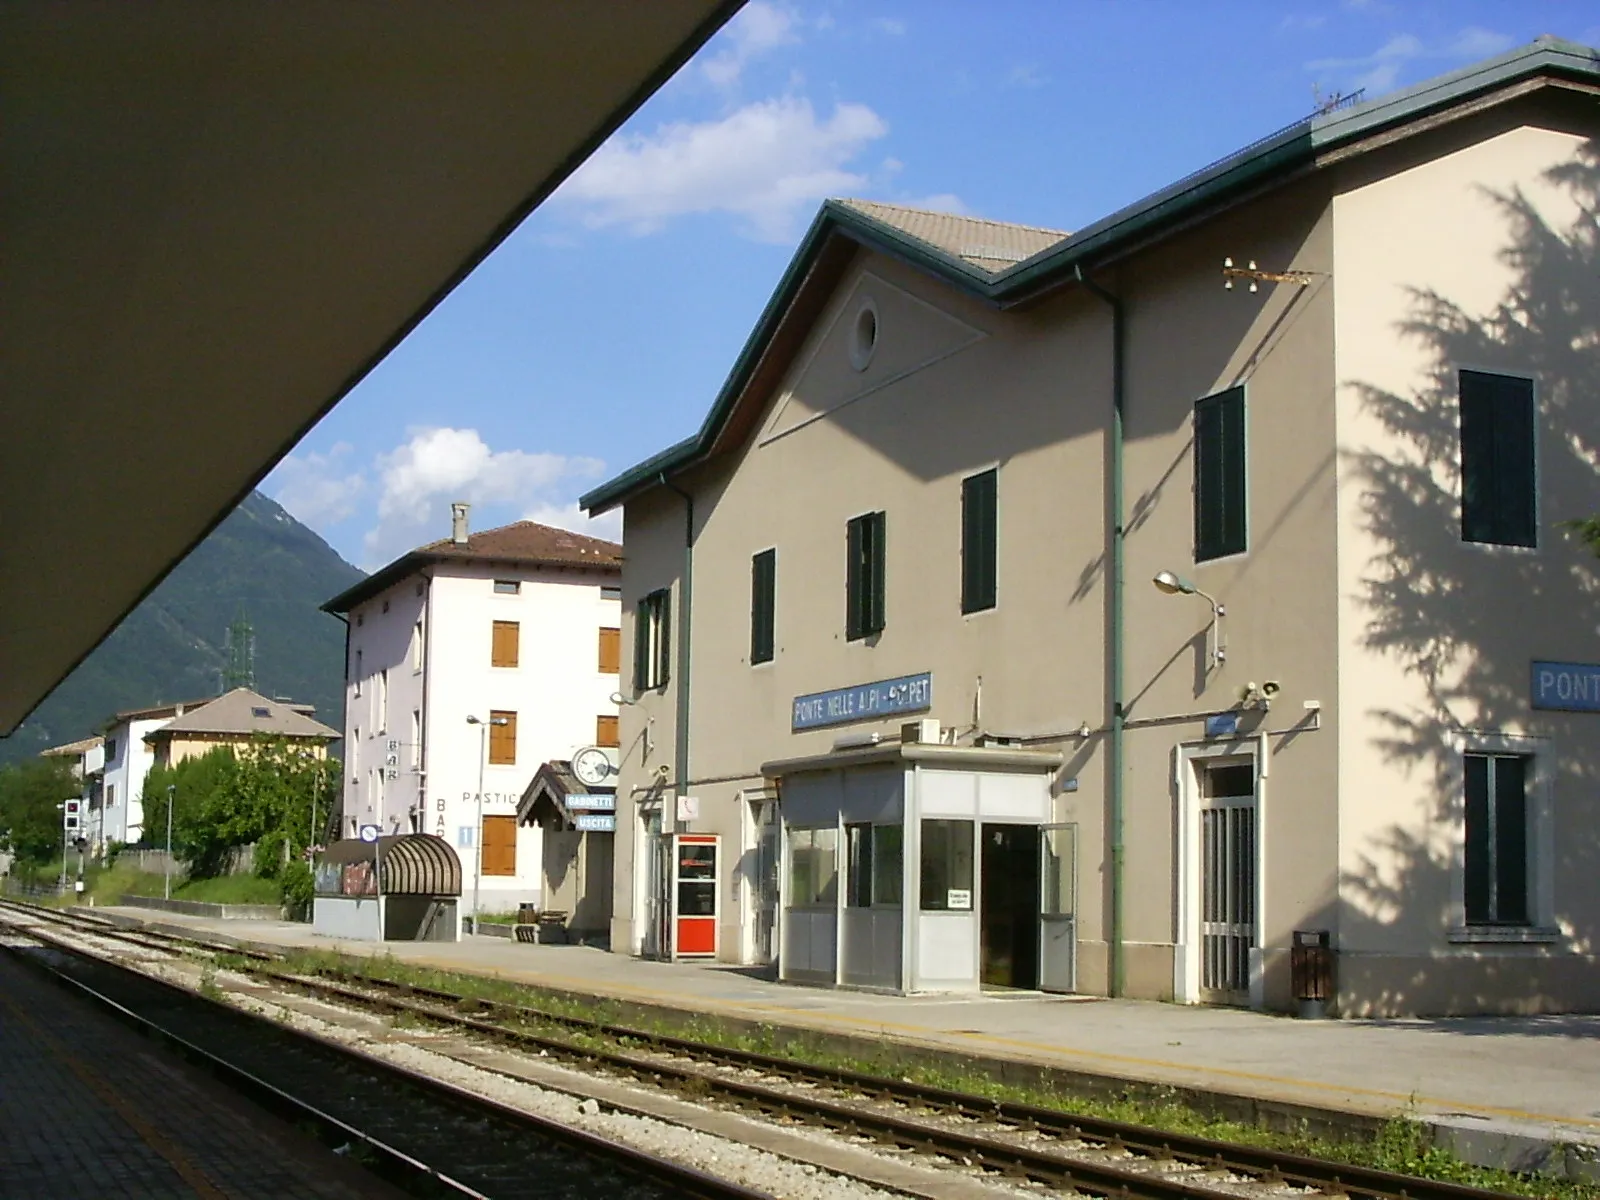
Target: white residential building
{"x": 517, "y": 628}
{"x": 128, "y": 759}
{"x": 88, "y": 760}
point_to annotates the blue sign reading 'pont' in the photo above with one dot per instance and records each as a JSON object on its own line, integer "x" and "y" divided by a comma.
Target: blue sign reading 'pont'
{"x": 1571, "y": 687}
{"x": 864, "y": 702}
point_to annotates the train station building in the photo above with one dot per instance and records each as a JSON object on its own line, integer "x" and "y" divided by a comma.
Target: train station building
{"x": 1108, "y": 611}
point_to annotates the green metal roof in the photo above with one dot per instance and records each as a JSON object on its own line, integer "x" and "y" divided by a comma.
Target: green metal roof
{"x": 1272, "y": 157}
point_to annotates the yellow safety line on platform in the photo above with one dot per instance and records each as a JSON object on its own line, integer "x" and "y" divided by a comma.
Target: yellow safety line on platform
{"x": 938, "y": 1037}
{"x": 191, "y": 1174}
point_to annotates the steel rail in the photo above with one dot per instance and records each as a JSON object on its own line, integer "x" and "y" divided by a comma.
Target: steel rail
{"x": 395, "y": 1165}
{"x": 1358, "y": 1182}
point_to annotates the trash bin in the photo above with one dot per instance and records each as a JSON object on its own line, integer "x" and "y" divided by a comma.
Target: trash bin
{"x": 527, "y": 914}
{"x": 1311, "y": 972}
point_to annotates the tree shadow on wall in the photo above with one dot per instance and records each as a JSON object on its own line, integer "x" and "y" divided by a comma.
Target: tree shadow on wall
{"x": 1463, "y": 621}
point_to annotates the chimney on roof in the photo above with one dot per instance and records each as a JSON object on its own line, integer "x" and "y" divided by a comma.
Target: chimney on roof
{"x": 458, "y": 522}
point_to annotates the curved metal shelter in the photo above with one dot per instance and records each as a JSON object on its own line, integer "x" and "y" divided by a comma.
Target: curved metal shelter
{"x": 412, "y": 864}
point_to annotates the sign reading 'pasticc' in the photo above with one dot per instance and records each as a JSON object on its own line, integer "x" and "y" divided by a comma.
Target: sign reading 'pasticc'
{"x": 864, "y": 702}
{"x": 1573, "y": 687}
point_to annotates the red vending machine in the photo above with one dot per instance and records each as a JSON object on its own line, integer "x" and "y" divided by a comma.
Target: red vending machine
{"x": 696, "y": 860}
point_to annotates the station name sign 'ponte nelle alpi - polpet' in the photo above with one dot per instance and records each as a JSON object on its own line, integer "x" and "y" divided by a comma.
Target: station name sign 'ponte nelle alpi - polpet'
{"x": 863, "y": 702}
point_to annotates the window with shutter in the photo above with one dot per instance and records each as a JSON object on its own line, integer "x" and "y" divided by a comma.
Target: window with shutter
{"x": 1219, "y": 475}
{"x": 1498, "y": 460}
{"x": 652, "y": 641}
{"x": 864, "y": 575}
{"x": 610, "y": 651}
{"x": 499, "y": 846}
{"x": 763, "y": 597}
{"x": 1495, "y": 856}
{"x": 502, "y": 738}
{"x": 507, "y": 644}
{"x": 979, "y": 541}
{"x": 605, "y": 730}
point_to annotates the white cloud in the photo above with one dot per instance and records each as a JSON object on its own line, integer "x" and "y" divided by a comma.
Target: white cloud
{"x": 1302, "y": 22}
{"x": 1475, "y": 42}
{"x": 318, "y": 489}
{"x": 435, "y": 466}
{"x": 764, "y": 163}
{"x": 1380, "y": 71}
{"x": 758, "y": 29}
{"x": 892, "y": 26}
{"x": 941, "y": 202}
{"x": 1026, "y": 75}
{"x": 570, "y": 516}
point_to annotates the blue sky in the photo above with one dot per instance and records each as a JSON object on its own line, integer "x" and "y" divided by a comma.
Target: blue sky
{"x": 601, "y": 330}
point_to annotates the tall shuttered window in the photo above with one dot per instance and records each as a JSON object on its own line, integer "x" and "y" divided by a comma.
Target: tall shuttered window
{"x": 979, "y": 541}
{"x": 506, "y": 645}
{"x": 1498, "y": 471}
{"x": 1219, "y": 475}
{"x": 763, "y": 605}
{"x": 502, "y": 738}
{"x": 864, "y": 575}
{"x": 606, "y": 732}
{"x": 610, "y": 650}
{"x": 1496, "y": 851}
{"x": 498, "y": 849}
{"x": 652, "y": 641}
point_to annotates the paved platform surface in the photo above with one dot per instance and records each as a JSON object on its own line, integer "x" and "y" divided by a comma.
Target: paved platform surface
{"x": 90, "y": 1109}
{"x": 1519, "y": 1077}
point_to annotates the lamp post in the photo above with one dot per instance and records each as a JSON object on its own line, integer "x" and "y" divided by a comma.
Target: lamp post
{"x": 477, "y": 834}
{"x": 62, "y": 809}
{"x": 166, "y": 882}
{"x": 1173, "y": 585}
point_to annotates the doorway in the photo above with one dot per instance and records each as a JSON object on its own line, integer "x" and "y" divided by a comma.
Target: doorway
{"x": 763, "y": 881}
{"x": 1227, "y": 882}
{"x": 1009, "y": 907}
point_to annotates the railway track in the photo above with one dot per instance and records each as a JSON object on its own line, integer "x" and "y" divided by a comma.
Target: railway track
{"x": 424, "y": 1136}
{"x": 1016, "y": 1141}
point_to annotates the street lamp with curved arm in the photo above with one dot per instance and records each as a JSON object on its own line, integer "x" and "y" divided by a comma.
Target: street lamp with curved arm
{"x": 477, "y": 834}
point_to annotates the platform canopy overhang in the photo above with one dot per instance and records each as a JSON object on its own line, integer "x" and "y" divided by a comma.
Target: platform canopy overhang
{"x": 216, "y": 218}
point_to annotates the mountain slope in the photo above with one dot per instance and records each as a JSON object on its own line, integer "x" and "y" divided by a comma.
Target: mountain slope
{"x": 174, "y": 646}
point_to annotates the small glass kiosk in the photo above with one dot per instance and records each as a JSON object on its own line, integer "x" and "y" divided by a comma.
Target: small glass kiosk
{"x": 915, "y": 867}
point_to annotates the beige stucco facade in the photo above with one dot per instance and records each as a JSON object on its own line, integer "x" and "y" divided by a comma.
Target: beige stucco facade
{"x": 1395, "y": 646}
{"x": 175, "y": 748}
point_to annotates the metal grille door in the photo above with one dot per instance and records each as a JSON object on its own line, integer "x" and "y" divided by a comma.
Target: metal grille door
{"x": 1227, "y": 896}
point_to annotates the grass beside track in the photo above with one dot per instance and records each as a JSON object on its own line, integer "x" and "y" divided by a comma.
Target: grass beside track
{"x": 1402, "y": 1145}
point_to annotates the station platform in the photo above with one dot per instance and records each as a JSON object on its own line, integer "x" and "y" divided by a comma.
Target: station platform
{"x": 1518, "y": 1092}
{"x": 90, "y": 1109}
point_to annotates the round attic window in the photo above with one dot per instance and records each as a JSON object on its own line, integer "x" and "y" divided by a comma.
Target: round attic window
{"x": 864, "y": 335}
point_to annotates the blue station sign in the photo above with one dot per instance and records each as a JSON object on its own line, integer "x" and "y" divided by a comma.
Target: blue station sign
{"x": 1570, "y": 687}
{"x": 863, "y": 702}
{"x": 595, "y": 822}
{"x": 592, "y": 801}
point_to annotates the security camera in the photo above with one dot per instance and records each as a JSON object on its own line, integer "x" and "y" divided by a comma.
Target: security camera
{"x": 662, "y": 771}
{"x": 1271, "y": 688}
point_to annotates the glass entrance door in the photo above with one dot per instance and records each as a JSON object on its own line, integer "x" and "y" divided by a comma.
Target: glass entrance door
{"x": 1058, "y": 908}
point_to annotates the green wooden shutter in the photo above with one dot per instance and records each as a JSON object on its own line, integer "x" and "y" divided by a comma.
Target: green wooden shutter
{"x": 876, "y": 563}
{"x": 641, "y": 644}
{"x": 664, "y": 646}
{"x": 1511, "y": 840}
{"x": 1219, "y": 475}
{"x": 978, "y": 541}
{"x": 763, "y": 583}
{"x": 1498, "y": 474}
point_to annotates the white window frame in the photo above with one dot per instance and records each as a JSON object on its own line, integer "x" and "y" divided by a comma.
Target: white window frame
{"x": 1540, "y": 754}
